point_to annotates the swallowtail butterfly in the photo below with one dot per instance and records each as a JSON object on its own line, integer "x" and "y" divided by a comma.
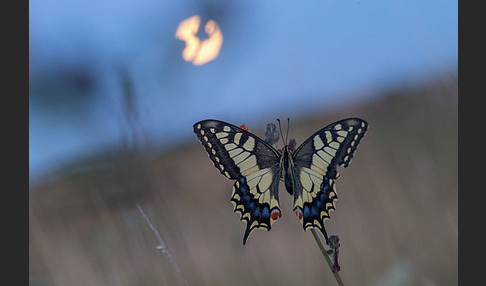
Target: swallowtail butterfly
{"x": 309, "y": 172}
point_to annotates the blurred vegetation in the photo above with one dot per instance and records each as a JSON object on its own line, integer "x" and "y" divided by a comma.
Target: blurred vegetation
{"x": 396, "y": 215}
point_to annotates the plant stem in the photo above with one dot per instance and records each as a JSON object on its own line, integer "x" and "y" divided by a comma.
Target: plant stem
{"x": 326, "y": 256}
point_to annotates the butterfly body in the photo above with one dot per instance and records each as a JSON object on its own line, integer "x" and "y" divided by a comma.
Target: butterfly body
{"x": 309, "y": 172}
{"x": 288, "y": 165}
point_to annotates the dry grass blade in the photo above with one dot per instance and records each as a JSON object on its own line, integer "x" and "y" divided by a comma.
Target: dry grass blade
{"x": 162, "y": 246}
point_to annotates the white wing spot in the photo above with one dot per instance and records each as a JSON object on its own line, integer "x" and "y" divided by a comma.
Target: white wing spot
{"x": 241, "y": 157}
{"x": 237, "y": 138}
{"x": 306, "y": 181}
{"x": 265, "y": 183}
{"x": 256, "y": 175}
{"x": 221, "y": 135}
{"x": 324, "y": 214}
{"x": 230, "y": 146}
{"x": 249, "y": 144}
{"x": 251, "y": 171}
{"x": 334, "y": 145}
{"x": 342, "y": 133}
{"x": 316, "y": 179}
{"x": 318, "y": 144}
{"x": 235, "y": 152}
{"x": 324, "y": 156}
{"x": 248, "y": 163}
{"x": 316, "y": 168}
{"x": 255, "y": 223}
{"x": 328, "y": 136}
{"x": 227, "y": 128}
{"x": 330, "y": 151}
{"x": 338, "y": 127}
{"x": 264, "y": 198}
{"x": 224, "y": 140}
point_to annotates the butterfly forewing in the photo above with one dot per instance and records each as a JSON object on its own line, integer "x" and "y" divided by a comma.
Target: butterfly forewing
{"x": 315, "y": 169}
{"x": 254, "y": 164}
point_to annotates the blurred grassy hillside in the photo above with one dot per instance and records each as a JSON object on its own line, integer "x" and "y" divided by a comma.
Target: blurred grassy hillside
{"x": 396, "y": 215}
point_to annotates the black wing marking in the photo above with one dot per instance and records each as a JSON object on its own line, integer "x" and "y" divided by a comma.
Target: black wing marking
{"x": 253, "y": 163}
{"x": 315, "y": 169}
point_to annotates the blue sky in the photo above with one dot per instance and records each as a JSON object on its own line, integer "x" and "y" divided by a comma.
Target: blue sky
{"x": 278, "y": 59}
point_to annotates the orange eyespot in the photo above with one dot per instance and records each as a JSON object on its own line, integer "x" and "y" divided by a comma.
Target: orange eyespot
{"x": 275, "y": 215}
{"x": 243, "y": 126}
{"x": 298, "y": 213}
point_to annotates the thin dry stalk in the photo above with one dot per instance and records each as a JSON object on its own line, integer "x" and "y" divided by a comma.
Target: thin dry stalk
{"x": 162, "y": 246}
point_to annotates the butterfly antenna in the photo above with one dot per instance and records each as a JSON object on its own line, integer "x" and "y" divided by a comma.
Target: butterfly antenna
{"x": 288, "y": 127}
{"x": 280, "y": 128}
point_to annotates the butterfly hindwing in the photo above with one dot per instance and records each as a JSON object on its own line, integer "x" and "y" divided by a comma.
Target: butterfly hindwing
{"x": 315, "y": 169}
{"x": 257, "y": 206}
{"x": 242, "y": 156}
